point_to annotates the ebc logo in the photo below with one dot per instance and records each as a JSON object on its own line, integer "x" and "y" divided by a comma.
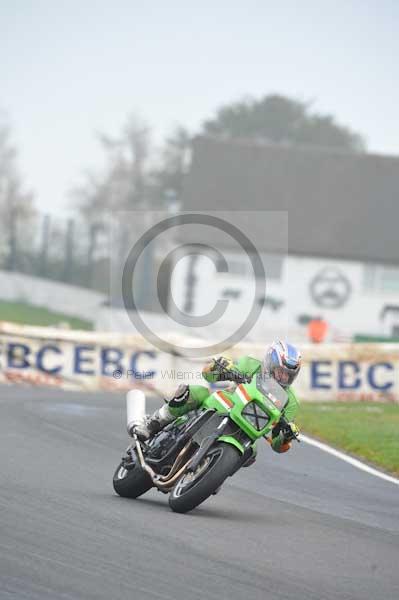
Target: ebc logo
{"x": 62, "y": 360}
{"x": 351, "y": 375}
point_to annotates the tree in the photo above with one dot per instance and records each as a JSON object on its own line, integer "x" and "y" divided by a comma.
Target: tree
{"x": 169, "y": 175}
{"x": 282, "y": 120}
{"x": 124, "y": 183}
{"x": 16, "y": 204}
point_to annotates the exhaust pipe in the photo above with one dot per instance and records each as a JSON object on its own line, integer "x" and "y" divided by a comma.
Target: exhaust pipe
{"x": 135, "y": 411}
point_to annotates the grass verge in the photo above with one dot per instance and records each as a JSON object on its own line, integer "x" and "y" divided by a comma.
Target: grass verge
{"x": 27, "y": 314}
{"x": 367, "y": 430}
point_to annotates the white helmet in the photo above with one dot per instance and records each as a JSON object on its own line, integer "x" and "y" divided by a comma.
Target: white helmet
{"x": 282, "y": 362}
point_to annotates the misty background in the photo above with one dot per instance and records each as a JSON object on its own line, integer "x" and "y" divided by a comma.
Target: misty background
{"x": 71, "y": 70}
{"x": 100, "y": 106}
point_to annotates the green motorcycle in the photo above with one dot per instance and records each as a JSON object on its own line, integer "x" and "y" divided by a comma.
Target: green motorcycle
{"x": 191, "y": 458}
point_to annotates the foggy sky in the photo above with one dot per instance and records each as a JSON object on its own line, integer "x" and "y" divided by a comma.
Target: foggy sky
{"x": 69, "y": 69}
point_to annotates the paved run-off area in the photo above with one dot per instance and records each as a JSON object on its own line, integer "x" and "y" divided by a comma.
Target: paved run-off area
{"x": 304, "y": 525}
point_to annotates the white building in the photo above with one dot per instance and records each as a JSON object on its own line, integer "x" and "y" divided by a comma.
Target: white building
{"x": 342, "y": 216}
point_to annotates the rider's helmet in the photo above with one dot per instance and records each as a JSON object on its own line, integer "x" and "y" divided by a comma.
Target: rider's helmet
{"x": 282, "y": 362}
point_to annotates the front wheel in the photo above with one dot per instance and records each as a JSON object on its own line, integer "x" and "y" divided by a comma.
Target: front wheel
{"x": 194, "y": 487}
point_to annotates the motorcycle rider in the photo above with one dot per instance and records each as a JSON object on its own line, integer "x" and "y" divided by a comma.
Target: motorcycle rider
{"x": 282, "y": 362}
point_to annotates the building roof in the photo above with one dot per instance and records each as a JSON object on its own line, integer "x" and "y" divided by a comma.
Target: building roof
{"x": 339, "y": 205}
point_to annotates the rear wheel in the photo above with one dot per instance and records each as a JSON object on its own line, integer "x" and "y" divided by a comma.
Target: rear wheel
{"x": 194, "y": 487}
{"x": 131, "y": 483}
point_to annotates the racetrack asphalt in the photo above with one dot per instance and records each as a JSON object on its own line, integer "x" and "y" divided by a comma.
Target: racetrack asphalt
{"x": 303, "y": 525}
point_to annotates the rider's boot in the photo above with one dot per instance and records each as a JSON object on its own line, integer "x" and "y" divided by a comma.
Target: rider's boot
{"x": 151, "y": 424}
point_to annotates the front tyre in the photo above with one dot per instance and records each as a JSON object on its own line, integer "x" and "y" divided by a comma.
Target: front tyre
{"x": 193, "y": 488}
{"x": 131, "y": 483}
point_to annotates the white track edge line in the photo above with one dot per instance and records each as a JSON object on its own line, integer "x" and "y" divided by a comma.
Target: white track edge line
{"x": 349, "y": 459}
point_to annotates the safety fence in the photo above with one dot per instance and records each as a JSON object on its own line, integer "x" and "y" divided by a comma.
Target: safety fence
{"x": 105, "y": 361}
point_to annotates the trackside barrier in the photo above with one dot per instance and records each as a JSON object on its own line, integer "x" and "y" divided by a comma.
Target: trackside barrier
{"x": 80, "y": 360}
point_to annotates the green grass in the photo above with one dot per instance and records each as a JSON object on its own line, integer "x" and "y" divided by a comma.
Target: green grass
{"x": 367, "y": 430}
{"x": 19, "y": 312}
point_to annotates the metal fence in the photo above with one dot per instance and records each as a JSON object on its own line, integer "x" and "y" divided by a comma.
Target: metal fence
{"x": 65, "y": 250}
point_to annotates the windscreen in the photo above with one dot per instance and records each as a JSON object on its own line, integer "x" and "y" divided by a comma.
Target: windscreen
{"x": 272, "y": 390}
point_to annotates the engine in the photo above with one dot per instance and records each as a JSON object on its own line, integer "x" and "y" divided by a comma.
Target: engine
{"x": 162, "y": 443}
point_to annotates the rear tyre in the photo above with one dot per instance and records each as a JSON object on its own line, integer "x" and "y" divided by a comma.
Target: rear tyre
{"x": 131, "y": 483}
{"x": 193, "y": 488}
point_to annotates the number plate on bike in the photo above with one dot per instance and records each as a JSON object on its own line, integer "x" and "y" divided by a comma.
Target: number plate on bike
{"x": 208, "y": 428}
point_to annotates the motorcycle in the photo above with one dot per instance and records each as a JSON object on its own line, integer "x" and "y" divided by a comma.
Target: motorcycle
{"x": 190, "y": 458}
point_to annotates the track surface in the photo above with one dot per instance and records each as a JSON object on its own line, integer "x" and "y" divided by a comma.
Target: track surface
{"x": 299, "y": 526}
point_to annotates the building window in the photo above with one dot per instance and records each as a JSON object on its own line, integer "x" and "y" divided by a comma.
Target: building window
{"x": 241, "y": 267}
{"x": 273, "y": 264}
{"x": 235, "y": 266}
{"x": 369, "y": 277}
{"x": 381, "y": 279}
{"x": 389, "y": 279}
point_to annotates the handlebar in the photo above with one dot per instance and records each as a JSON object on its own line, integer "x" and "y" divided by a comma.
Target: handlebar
{"x": 230, "y": 374}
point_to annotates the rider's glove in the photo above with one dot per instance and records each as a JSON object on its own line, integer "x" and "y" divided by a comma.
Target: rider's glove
{"x": 179, "y": 397}
{"x": 290, "y": 431}
{"x": 222, "y": 364}
{"x": 227, "y": 370}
